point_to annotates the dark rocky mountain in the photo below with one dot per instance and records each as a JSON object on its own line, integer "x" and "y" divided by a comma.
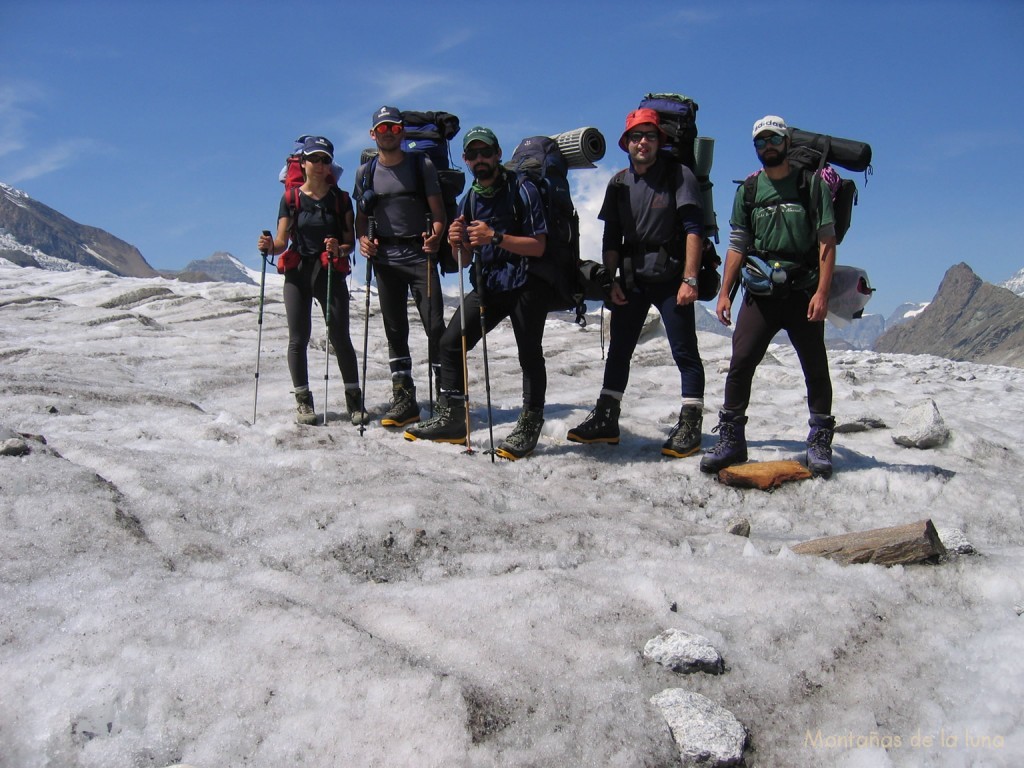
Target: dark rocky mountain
{"x": 35, "y": 235}
{"x": 968, "y": 320}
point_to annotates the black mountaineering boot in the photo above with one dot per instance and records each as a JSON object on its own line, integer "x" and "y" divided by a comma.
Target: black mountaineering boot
{"x": 601, "y": 426}
{"x": 447, "y": 425}
{"x": 523, "y": 439}
{"x": 819, "y": 445}
{"x": 731, "y": 447}
{"x": 684, "y": 439}
{"x": 404, "y": 408}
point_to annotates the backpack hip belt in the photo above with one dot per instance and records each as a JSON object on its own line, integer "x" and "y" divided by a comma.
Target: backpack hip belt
{"x": 410, "y": 240}
{"x": 776, "y": 275}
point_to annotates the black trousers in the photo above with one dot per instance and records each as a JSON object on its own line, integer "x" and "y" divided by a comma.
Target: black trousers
{"x": 301, "y": 286}
{"x": 394, "y": 283}
{"x": 527, "y": 308}
{"x": 760, "y": 318}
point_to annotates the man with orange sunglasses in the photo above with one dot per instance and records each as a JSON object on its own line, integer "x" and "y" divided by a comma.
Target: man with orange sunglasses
{"x": 400, "y": 190}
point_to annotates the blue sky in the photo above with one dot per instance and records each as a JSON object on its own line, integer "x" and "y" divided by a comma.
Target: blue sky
{"x": 166, "y": 123}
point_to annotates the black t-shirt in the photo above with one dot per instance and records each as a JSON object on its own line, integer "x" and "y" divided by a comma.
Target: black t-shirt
{"x": 316, "y": 220}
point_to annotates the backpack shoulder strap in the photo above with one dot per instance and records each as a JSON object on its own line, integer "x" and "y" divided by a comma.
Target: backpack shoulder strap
{"x": 750, "y": 193}
{"x": 368, "y": 169}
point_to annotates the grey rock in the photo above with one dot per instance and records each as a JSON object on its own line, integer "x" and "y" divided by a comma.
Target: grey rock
{"x": 706, "y": 734}
{"x": 739, "y": 526}
{"x": 684, "y": 652}
{"x": 861, "y": 424}
{"x": 921, "y": 427}
{"x": 955, "y": 541}
{"x": 15, "y": 446}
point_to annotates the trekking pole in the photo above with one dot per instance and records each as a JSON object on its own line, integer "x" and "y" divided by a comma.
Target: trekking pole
{"x": 602, "y": 331}
{"x": 483, "y": 339}
{"x": 430, "y": 323}
{"x": 465, "y": 353}
{"x": 259, "y": 323}
{"x": 371, "y": 233}
{"x": 327, "y": 341}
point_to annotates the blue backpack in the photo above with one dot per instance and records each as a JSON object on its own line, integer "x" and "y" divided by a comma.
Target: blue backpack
{"x": 539, "y": 159}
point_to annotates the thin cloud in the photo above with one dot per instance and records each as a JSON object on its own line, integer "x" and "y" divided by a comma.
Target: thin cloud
{"x": 15, "y": 115}
{"x": 56, "y": 157}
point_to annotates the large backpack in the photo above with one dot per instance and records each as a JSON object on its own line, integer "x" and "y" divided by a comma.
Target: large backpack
{"x": 539, "y": 159}
{"x": 814, "y": 155}
{"x": 429, "y": 133}
{"x": 293, "y": 177}
{"x": 451, "y": 182}
{"x": 677, "y": 117}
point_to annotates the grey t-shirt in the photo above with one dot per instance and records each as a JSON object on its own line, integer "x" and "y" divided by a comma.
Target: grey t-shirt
{"x": 401, "y": 211}
{"x": 652, "y": 218}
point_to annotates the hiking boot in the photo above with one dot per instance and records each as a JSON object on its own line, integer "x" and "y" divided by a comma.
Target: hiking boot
{"x": 354, "y": 406}
{"x": 731, "y": 447}
{"x": 601, "y": 426}
{"x": 447, "y": 425}
{"x": 523, "y": 439}
{"x": 304, "y": 413}
{"x": 404, "y": 408}
{"x": 819, "y": 445}
{"x": 684, "y": 439}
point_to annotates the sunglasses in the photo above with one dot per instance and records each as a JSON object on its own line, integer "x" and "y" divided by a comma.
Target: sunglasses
{"x": 318, "y": 159}
{"x": 775, "y": 140}
{"x": 485, "y": 152}
{"x": 385, "y": 128}
{"x": 635, "y": 136}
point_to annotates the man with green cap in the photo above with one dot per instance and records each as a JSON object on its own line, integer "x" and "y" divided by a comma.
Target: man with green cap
{"x": 502, "y": 232}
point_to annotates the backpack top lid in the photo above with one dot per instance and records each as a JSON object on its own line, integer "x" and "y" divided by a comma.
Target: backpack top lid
{"x": 678, "y": 121}
{"x": 539, "y": 157}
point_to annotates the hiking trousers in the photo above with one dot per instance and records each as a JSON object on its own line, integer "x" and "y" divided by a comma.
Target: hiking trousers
{"x": 627, "y": 322}
{"x": 394, "y": 283}
{"x": 527, "y": 309}
{"x": 301, "y": 286}
{"x": 760, "y": 318}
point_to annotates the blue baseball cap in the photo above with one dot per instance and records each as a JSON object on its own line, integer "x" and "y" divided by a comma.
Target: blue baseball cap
{"x": 313, "y": 144}
{"x": 387, "y": 115}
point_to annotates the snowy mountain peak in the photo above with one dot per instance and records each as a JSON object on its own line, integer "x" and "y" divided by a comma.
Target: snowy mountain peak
{"x": 1016, "y": 283}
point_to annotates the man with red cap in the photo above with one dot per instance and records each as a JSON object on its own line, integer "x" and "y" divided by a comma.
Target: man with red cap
{"x": 653, "y": 234}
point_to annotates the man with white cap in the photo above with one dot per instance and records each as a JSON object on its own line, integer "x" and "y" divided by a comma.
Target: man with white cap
{"x": 653, "y": 235}
{"x": 789, "y": 228}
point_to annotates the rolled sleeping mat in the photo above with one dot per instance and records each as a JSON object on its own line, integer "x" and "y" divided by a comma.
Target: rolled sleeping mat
{"x": 847, "y": 153}
{"x": 581, "y": 148}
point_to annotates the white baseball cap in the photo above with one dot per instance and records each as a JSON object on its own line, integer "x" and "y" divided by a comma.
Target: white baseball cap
{"x": 772, "y": 124}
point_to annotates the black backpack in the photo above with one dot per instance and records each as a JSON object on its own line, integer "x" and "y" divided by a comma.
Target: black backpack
{"x": 677, "y": 117}
{"x": 539, "y": 159}
{"x": 429, "y": 134}
{"x": 814, "y": 155}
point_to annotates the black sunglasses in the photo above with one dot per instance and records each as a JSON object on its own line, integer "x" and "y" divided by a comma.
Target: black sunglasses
{"x": 775, "y": 140}
{"x": 635, "y": 136}
{"x": 485, "y": 152}
{"x": 318, "y": 159}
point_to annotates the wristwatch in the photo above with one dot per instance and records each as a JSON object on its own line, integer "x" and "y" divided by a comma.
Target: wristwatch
{"x": 498, "y": 237}
{"x": 691, "y": 281}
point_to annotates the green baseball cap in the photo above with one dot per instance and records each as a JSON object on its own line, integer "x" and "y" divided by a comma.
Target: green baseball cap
{"x": 479, "y": 133}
